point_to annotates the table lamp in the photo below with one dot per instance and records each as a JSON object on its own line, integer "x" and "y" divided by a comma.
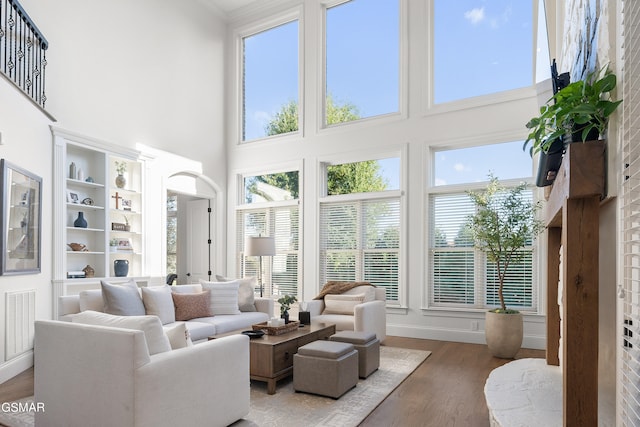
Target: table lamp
{"x": 260, "y": 246}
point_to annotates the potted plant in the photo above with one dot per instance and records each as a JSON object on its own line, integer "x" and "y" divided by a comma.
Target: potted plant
{"x": 576, "y": 113}
{"x": 285, "y": 305}
{"x": 502, "y": 225}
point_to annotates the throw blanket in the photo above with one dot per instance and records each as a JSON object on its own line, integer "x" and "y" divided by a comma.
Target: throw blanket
{"x": 339, "y": 287}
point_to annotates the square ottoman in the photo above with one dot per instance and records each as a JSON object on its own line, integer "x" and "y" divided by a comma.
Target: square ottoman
{"x": 368, "y": 347}
{"x": 327, "y": 368}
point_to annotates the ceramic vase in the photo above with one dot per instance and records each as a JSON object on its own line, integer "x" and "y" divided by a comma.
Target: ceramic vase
{"x": 121, "y": 267}
{"x": 285, "y": 316}
{"x": 80, "y": 222}
{"x": 121, "y": 181}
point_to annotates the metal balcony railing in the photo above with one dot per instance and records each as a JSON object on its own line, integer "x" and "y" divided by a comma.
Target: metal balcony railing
{"x": 23, "y": 48}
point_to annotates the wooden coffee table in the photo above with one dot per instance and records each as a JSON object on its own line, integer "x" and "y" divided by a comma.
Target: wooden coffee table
{"x": 271, "y": 356}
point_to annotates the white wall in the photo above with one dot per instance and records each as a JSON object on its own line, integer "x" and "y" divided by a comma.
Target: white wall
{"x": 415, "y": 129}
{"x": 145, "y": 71}
{"x": 126, "y": 72}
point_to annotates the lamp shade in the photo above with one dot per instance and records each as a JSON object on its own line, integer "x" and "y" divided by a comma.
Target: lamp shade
{"x": 260, "y": 246}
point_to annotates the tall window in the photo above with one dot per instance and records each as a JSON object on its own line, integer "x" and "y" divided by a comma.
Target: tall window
{"x": 362, "y": 60}
{"x": 270, "y": 82}
{"x": 360, "y": 224}
{"x": 481, "y": 47}
{"x": 460, "y": 275}
{"x": 270, "y": 208}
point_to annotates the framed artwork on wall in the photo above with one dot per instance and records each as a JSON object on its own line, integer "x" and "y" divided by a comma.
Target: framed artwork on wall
{"x": 21, "y": 212}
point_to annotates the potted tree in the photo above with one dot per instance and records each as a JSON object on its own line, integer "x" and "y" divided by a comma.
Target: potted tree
{"x": 502, "y": 225}
{"x": 578, "y": 112}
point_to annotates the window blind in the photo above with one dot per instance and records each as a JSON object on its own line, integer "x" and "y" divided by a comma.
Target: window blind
{"x": 360, "y": 240}
{"x": 282, "y": 275}
{"x": 629, "y": 367}
{"x": 460, "y": 274}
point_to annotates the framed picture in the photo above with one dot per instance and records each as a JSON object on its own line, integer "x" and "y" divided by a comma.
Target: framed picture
{"x": 126, "y": 204}
{"x": 124, "y": 245}
{"x": 21, "y": 220}
{"x": 72, "y": 197}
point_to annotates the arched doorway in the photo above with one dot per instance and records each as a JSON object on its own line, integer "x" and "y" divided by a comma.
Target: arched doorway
{"x": 193, "y": 227}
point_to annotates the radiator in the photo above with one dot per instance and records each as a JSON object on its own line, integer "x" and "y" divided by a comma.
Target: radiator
{"x": 20, "y": 317}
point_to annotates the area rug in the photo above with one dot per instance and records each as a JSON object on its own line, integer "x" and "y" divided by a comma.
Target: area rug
{"x": 288, "y": 408}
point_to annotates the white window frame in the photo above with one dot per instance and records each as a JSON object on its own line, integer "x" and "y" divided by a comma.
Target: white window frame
{"x": 479, "y": 257}
{"x": 430, "y": 107}
{"x": 268, "y": 208}
{"x": 354, "y": 197}
{"x": 403, "y": 58}
{"x": 294, "y": 14}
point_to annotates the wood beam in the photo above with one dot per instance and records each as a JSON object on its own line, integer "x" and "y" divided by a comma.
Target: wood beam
{"x": 554, "y": 239}
{"x": 580, "y": 242}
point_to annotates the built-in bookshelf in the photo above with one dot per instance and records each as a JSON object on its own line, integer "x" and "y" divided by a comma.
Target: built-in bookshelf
{"x": 98, "y": 205}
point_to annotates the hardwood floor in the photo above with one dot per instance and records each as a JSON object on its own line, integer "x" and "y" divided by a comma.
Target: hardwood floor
{"x": 446, "y": 390}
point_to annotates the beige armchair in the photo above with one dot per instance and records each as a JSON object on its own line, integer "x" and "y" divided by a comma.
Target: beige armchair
{"x": 105, "y": 376}
{"x": 368, "y": 316}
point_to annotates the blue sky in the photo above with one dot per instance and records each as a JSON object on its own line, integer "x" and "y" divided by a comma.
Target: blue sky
{"x": 480, "y": 47}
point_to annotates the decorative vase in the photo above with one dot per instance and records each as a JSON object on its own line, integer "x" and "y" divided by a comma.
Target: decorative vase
{"x": 72, "y": 170}
{"x": 80, "y": 222}
{"x": 121, "y": 267}
{"x": 121, "y": 181}
{"x": 285, "y": 316}
{"x": 89, "y": 271}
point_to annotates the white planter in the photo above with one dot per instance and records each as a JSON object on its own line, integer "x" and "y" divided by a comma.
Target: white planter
{"x": 503, "y": 333}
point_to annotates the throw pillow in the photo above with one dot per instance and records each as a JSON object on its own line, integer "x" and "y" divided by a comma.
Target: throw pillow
{"x": 246, "y": 291}
{"x": 91, "y": 300}
{"x": 224, "y": 297}
{"x": 122, "y": 300}
{"x": 157, "y": 341}
{"x": 193, "y": 288}
{"x": 341, "y": 304}
{"x": 191, "y": 306}
{"x": 178, "y": 336}
{"x": 158, "y": 302}
{"x": 368, "y": 291}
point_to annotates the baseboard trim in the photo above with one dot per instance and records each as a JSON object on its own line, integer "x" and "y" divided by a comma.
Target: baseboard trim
{"x": 472, "y": 337}
{"x": 16, "y": 366}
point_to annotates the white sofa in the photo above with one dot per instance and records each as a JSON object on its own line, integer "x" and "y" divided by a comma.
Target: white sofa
{"x": 199, "y": 328}
{"x": 368, "y": 316}
{"x": 104, "y": 376}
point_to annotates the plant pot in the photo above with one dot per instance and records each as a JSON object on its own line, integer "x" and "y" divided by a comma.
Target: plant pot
{"x": 576, "y": 135}
{"x": 285, "y": 316}
{"x": 503, "y": 333}
{"x": 121, "y": 181}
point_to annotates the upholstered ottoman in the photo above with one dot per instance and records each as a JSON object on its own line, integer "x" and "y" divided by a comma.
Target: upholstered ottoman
{"x": 328, "y": 368}
{"x": 367, "y": 346}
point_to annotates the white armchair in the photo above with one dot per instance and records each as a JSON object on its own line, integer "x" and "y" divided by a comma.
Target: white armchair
{"x": 369, "y": 316}
{"x": 104, "y": 376}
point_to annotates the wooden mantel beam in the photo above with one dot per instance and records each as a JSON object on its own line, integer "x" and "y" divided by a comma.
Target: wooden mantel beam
{"x": 573, "y": 221}
{"x": 582, "y": 174}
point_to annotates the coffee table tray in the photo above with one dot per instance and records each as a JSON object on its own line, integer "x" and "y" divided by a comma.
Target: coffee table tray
{"x": 276, "y": 330}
